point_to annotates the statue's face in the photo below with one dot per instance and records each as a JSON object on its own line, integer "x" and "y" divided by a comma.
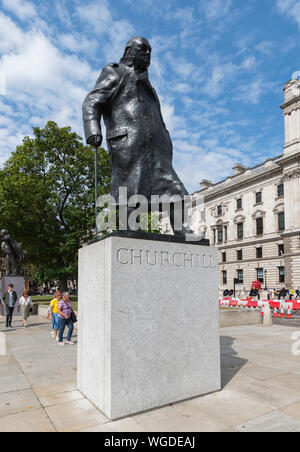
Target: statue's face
{"x": 142, "y": 54}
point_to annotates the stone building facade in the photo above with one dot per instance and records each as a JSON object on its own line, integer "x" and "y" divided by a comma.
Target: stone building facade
{"x": 253, "y": 217}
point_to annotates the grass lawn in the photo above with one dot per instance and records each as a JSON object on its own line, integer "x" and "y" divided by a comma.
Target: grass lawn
{"x": 47, "y": 298}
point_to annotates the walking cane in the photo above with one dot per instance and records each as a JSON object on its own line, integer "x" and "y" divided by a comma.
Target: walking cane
{"x": 96, "y": 185}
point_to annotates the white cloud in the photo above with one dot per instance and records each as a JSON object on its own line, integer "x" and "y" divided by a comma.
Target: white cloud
{"x": 265, "y": 47}
{"x": 43, "y": 84}
{"x": 76, "y": 43}
{"x": 223, "y": 73}
{"x": 214, "y": 9}
{"x": 96, "y": 14}
{"x": 291, "y": 8}
{"x": 98, "y": 20}
{"x": 23, "y": 9}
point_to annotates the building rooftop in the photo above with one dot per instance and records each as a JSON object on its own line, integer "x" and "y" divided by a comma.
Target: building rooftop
{"x": 240, "y": 174}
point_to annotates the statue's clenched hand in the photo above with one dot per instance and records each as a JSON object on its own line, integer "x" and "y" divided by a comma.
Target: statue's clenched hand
{"x": 95, "y": 140}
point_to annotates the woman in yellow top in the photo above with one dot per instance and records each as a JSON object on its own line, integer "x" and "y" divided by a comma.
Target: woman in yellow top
{"x": 54, "y": 315}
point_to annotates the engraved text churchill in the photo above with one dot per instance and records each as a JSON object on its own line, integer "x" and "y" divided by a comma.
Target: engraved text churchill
{"x": 127, "y": 256}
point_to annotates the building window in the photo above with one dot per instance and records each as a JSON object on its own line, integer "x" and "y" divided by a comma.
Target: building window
{"x": 281, "y": 274}
{"x": 239, "y": 204}
{"x": 259, "y": 198}
{"x": 240, "y": 276}
{"x": 240, "y": 255}
{"x": 259, "y": 226}
{"x": 220, "y": 210}
{"x": 240, "y": 230}
{"x": 224, "y": 257}
{"x": 225, "y": 233}
{"x": 224, "y": 277}
{"x": 281, "y": 250}
{"x": 259, "y": 253}
{"x": 280, "y": 191}
{"x": 220, "y": 234}
{"x": 260, "y": 275}
{"x": 281, "y": 222}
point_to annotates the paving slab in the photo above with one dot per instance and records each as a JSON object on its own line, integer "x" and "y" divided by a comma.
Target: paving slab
{"x": 57, "y": 375}
{"x": 181, "y": 417}
{"x": 260, "y": 381}
{"x": 265, "y": 391}
{"x": 124, "y": 425}
{"x": 58, "y": 399}
{"x": 275, "y": 422}
{"x": 259, "y": 372}
{"x": 12, "y": 368}
{"x": 293, "y": 410}
{"x": 231, "y": 407}
{"x": 74, "y": 416}
{"x": 51, "y": 389}
{"x": 17, "y": 401}
{"x": 35, "y": 421}
{"x": 289, "y": 381}
{"x": 13, "y": 383}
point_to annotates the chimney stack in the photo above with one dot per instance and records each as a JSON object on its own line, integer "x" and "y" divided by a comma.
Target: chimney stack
{"x": 205, "y": 184}
{"x": 238, "y": 169}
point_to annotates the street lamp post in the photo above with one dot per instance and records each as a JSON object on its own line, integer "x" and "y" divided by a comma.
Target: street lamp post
{"x": 265, "y": 272}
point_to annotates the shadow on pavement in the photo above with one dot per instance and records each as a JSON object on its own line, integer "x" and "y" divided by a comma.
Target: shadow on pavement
{"x": 231, "y": 364}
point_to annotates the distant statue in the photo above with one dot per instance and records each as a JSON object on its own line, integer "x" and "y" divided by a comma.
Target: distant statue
{"x": 140, "y": 147}
{"x": 14, "y": 252}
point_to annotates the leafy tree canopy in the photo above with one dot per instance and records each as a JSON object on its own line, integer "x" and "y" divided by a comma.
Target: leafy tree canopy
{"x": 47, "y": 198}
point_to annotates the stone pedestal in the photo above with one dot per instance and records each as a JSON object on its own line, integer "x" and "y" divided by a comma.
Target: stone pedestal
{"x": 148, "y": 324}
{"x": 19, "y": 286}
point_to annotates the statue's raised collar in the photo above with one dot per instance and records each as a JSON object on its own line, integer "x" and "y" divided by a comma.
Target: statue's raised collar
{"x": 129, "y": 62}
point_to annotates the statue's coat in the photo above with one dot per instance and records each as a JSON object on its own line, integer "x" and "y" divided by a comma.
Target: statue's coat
{"x": 139, "y": 144}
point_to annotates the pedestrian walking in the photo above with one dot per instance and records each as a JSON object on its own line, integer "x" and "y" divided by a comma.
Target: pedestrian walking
{"x": 25, "y": 305}
{"x": 53, "y": 313}
{"x": 65, "y": 313}
{"x": 10, "y": 298}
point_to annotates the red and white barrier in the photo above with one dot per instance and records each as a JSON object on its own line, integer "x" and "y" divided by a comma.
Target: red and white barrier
{"x": 283, "y": 306}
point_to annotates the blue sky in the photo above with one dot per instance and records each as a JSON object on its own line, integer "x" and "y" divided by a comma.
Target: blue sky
{"x": 219, "y": 67}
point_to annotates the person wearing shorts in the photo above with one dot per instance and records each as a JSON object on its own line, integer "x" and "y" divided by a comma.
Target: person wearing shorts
{"x": 54, "y": 315}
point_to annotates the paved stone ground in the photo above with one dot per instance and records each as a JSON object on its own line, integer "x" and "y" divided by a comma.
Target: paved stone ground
{"x": 294, "y": 322}
{"x": 260, "y": 388}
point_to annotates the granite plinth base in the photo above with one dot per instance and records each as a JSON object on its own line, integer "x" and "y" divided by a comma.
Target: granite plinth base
{"x": 148, "y": 324}
{"x": 19, "y": 285}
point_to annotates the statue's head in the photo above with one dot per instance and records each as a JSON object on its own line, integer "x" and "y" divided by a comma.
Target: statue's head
{"x": 138, "y": 50}
{"x": 3, "y": 233}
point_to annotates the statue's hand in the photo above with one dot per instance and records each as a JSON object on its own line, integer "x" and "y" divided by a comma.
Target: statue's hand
{"x": 95, "y": 141}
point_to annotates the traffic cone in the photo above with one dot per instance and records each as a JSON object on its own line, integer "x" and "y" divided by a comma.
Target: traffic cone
{"x": 282, "y": 315}
{"x": 289, "y": 315}
{"x": 275, "y": 313}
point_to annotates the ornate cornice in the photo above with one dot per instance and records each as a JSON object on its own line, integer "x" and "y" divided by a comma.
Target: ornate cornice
{"x": 294, "y": 174}
{"x": 290, "y": 103}
{"x": 243, "y": 184}
{"x": 292, "y": 107}
{"x": 259, "y": 214}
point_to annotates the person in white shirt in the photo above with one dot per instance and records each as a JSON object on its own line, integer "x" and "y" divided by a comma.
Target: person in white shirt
{"x": 25, "y": 304}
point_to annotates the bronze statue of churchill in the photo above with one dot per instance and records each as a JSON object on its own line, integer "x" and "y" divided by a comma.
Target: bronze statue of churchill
{"x": 139, "y": 144}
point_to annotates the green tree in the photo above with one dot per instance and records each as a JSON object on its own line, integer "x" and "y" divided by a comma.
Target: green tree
{"x": 47, "y": 199}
